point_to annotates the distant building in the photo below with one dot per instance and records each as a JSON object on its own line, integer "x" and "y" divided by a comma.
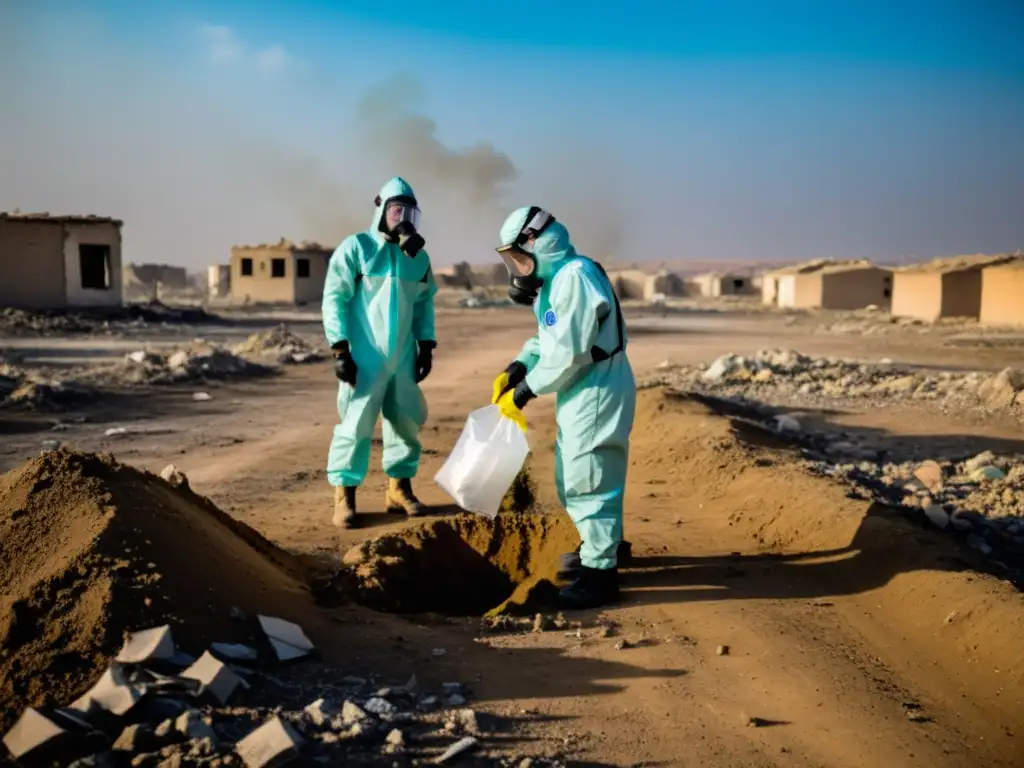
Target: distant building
{"x": 772, "y": 280}
{"x": 1002, "y": 293}
{"x": 218, "y": 280}
{"x": 716, "y": 284}
{"x": 56, "y": 262}
{"x": 827, "y": 284}
{"x": 665, "y": 283}
{"x": 174, "y": 278}
{"x": 628, "y": 284}
{"x": 282, "y": 273}
{"x": 942, "y": 288}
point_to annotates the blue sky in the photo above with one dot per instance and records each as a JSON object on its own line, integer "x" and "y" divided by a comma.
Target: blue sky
{"x": 655, "y": 130}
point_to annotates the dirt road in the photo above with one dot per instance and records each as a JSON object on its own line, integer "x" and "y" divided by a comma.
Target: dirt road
{"x": 770, "y": 621}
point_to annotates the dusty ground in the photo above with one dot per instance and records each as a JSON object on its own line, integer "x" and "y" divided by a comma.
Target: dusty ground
{"x": 853, "y": 637}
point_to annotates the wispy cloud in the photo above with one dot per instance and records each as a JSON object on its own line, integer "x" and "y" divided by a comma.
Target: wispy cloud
{"x": 221, "y": 42}
{"x": 223, "y": 45}
{"x": 273, "y": 59}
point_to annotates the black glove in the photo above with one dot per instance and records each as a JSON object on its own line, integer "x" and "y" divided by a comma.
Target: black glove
{"x": 424, "y": 360}
{"x": 516, "y": 373}
{"x": 344, "y": 365}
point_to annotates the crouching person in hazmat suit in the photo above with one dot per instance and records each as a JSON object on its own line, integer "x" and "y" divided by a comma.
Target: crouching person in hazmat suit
{"x": 378, "y": 315}
{"x": 579, "y": 355}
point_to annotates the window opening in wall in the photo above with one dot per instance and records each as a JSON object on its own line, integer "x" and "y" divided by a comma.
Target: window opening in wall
{"x": 94, "y": 266}
{"x": 302, "y": 267}
{"x": 888, "y": 293}
{"x": 737, "y": 285}
{"x": 246, "y": 267}
{"x": 277, "y": 267}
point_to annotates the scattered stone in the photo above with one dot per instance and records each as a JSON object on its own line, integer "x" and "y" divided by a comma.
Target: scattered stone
{"x": 395, "y": 740}
{"x": 192, "y": 725}
{"x": 456, "y": 700}
{"x": 352, "y": 713}
{"x": 438, "y": 652}
{"x": 274, "y": 743}
{"x": 214, "y": 676}
{"x": 784, "y": 423}
{"x": 983, "y": 474}
{"x": 467, "y": 720}
{"x": 202, "y": 397}
{"x": 461, "y": 747}
{"x": 929, "y": 473}
{"x": 137, "y": 737}
{"x": 288, "y": 640}
{"x": 541, "y": 623}
{"x": 722, "y": 650}
{"x": 318, "y": 713}
{"x": 379, "y": 706}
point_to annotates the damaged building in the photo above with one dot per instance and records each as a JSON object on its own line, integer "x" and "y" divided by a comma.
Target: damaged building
{"x": 281, "y": 273}
{"x": 716, "y": 284}
{"x": 1002, "y": 293}
{"x": 838, "y": 285}
{"x": 58, "y": 262}
{"x": 942, "y": 288}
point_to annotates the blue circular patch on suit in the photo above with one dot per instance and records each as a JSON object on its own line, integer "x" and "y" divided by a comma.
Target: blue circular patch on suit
{"x": 550, "y": 318}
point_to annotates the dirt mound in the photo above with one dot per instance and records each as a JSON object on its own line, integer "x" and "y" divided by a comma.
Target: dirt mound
{"x": 280, "y": 345}
{"x": 92, "y": 549}
{"x": 462, "y": 566}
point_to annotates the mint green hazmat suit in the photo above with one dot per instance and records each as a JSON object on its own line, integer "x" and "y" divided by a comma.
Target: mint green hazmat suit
{"x": 382, "y": 302}
{"x": 595, "y": 402}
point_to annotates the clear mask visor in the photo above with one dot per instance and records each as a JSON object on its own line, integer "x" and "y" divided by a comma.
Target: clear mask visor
{"x": 399, "y": 213}
{"x": 518, "y": 262}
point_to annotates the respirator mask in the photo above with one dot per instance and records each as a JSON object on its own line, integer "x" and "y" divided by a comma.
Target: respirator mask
{"x": 520, "y": 263}
{"x": 400, "y": 223}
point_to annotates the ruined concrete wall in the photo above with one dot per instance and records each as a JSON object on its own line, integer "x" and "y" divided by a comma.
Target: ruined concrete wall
{"x": 218, "y": 280}
{"x": 732, "y": 285}
{"x": 856, "y": 289}
{"x": 31, "y": 265}
{"x": 169, "y": 277}
{"x": 667, "y": 283}
{"x": 787, "y": 291}
{"x": 310, "y": 290}
{"x": 917, "y": 294}
{"x": 769, "y": 289}
{"x": 807, "y": 291}
{"x": 78, "y": 235}
{"x": 628, "y": 283}
{"x": 1002, "y": 296}
{"x": 259, "y": 286}
{"x": 961, "y": 294}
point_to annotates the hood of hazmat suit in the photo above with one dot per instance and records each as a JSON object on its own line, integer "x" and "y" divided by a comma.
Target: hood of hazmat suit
{"x": 579, "y": 355}
{"x": 379, "y": 299}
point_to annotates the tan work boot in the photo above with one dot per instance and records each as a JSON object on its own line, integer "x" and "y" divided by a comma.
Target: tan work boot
{"x": 345, "y": 506}
{"x": 401, "y": 499}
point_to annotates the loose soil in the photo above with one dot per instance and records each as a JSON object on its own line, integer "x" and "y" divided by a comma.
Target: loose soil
{"x": 93, "y": 549}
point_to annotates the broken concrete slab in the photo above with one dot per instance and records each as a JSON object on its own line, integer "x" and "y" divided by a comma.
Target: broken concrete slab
{"x": 319, "y": 713}
{"x": 112, "y": 693}
{"x": 192, "y": 725}
{"x": 154, "y": 644}
{"x": 234, "y": 651}
{"x": 274, "y": 743}
{"x": 32, "y": 732}
{"x": 288, "y": 639}
{"x": 215, "y": 676}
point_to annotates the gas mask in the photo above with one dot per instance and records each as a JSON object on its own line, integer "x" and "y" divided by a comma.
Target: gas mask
{"x": 520, "y": 262}
{"x": 399, "y": 223}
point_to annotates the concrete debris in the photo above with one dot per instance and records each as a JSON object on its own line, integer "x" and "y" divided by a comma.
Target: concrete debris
{"x": 287, "y": 639}
{"x": 274, "y": 743}
{"x": 202, "y": 397}
{"x": 280, "y": 345}
{"x": 379, "y": 706}
{"x": 216, "y": 678}
{"x": 784, "y": 375}
{"x": 461, "y": 747}
{"x": 192, "y": 725}
{"x": 176, "y": 478}
{"x": 352, "y": 713}
{"x": 112, "y": 693}
{"x": 149, "y": 645}
{"x": 30, "y": 732}
{"x": 318, "y": 713}
{"x": 234, "y": 651}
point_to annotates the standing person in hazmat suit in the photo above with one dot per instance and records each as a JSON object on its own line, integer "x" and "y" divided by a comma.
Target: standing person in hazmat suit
{"x": 378, "y": 315}
{"x": 579, "y": 355}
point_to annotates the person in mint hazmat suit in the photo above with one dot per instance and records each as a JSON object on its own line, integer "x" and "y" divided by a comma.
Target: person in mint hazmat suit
{"x": 579, "y": 356}
{"x": 378, "y": 316}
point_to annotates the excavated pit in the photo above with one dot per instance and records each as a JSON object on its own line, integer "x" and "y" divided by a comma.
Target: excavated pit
{"x": 467, "y": 565}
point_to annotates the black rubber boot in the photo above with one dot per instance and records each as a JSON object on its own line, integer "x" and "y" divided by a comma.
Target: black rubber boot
{"x": 593, "y": 588}
{"x": 569, "y": 564}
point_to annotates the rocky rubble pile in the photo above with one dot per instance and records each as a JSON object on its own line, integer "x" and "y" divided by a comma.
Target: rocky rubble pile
{"x": 280, "y": 345}
{"x": 156, "y": 706}
{"x": 34, "y": 390}
{"x": 788, "y": 376}
{"x": 19, "y": 322}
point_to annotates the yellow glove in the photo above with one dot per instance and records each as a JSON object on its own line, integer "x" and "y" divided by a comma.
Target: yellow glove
{"x": 510, "y": 411}
{"x": 500, "y": 385}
